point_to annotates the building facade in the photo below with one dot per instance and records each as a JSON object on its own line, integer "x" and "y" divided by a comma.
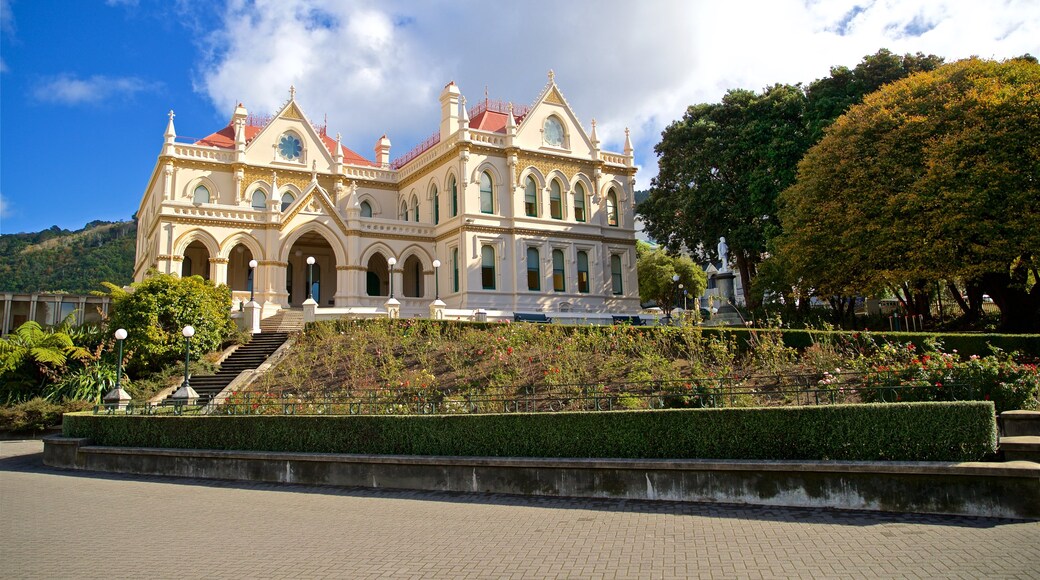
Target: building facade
{"x": 519, "y": 205}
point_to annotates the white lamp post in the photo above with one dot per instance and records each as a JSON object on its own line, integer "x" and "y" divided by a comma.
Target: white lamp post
{"x": 117, "y": 396}
{"x": 391, "y": 262}
{"x": 436, "y": 280}
{"x": 310, "y": 277}
{"x": 186, "y": 393}
{"x": 252, "y": 278}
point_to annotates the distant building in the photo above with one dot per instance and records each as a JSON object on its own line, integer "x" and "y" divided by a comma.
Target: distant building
{"x": 519, "y": 204}
{"x": 49, "y": 309}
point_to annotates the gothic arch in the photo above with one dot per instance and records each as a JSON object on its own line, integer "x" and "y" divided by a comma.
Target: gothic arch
{"x": 246, "y": 240}
{"x": 318, "y": 228}
{"x": 537, "y": 175}
{"x": 197, "y": 235}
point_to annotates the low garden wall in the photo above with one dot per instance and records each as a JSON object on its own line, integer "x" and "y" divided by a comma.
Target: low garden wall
{"x": 932, "y": 431}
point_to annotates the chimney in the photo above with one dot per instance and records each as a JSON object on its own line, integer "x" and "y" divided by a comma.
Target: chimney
{"x": 383, "y": 151}
{"x": 449, "y": 110}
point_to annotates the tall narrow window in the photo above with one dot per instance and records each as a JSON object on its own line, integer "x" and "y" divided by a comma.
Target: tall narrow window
{"x": 559, "y": 281}
{"x": 615, "y": 274}
{"x": 415, "y": 208}
{"x": 531, "y": 198}
{"x": 455, "y": 269}
{"x": 555, "y": 201}
{"x": 583, "y": 272}
{"x": 259, "y": 199}
{"x": 612, "y": 219}
{"x": 579, "y": 202}
{"x": 366, "y": 209}
{"x": 487, "y": 267}
{"x": 454, "y": 197}
{"x": 403, "y": 214}
{"x": 287, "y": 200}
{"x": 201, "y": 195}
{"x": 534, "y": 270}
{"x": 487, "y": 195}
{"x": 436, "y": 206}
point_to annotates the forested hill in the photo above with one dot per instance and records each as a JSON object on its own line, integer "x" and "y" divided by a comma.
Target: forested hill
{"x": 57, "y": 260}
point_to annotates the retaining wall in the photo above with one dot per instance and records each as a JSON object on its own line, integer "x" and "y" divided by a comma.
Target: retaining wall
{"x": 978, "y": 489}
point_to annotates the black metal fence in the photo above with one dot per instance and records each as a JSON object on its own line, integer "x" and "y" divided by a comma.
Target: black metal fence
{"x": 701, "y": 392}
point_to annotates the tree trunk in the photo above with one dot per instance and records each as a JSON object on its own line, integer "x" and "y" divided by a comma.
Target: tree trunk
{"x": 745, "y": 268}
{"x": 958, "y": 298}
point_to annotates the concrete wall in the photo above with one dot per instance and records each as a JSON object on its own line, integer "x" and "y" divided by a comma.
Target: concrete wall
{"x": 978, "y": 489}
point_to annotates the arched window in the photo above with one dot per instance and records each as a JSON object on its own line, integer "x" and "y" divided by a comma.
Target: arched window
{"x": 615, "y": 274}
{"x": 415, "y": 208}
{"x": 531, "y": 197}
{"x": 185, "y": 267}
{"x": 487, "y": 267}
{"x": 201, "y": 195}
{"x": 579, "y": 202}
{"x": 487, "y": 195}
{"x": 559, "y": 281}
{"x": 436, "y": 206}
{"x": 555, "y": 200}
{"x": 455, "y": 269}
{"x": 259, "y": 199}
{"x": 583, "y": 272}
{"x": 612, "y": 219}
{"x": 287, "y": 200}
{"x": 366, "y": 209}
{"x": 534, "y": 270}
{"x": 454, "y": 199}
{"x": 403, "y": 215}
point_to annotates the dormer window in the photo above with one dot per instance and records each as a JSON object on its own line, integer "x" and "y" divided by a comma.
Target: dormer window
{"x": 552, "y": 132}
{"x": 290, "y": 147}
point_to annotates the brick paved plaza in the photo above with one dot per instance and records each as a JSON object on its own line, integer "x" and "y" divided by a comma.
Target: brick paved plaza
{"x": 59, "y": 524}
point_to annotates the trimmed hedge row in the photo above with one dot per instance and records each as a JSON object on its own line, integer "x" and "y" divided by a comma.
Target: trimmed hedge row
{"x": 946, "y": 431}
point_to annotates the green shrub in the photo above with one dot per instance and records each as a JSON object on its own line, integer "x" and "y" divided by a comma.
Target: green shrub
{"x": 959, "y": 431}
{"x": 36, "y": 414}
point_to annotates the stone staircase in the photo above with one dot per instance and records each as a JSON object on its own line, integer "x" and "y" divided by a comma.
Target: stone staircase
{"x": 246, "y": 357}
{"x": 287, "y": 320}
{"x": 1020, "y": 435}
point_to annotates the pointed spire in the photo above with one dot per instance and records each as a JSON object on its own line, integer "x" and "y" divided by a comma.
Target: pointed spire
{"x": 628, "y": 143}
{"x": 314, "y": 170}
{"x": 292, "y": 92}
{"x": 592, "y": 136}
{"x": 510, "y": 120}
{"x": 170, "y": 131}
{"x": 337, "y": 155}
{"x": 464, "y": 119}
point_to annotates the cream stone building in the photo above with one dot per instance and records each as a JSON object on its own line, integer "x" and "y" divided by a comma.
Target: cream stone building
{"x": 520, "y": 206}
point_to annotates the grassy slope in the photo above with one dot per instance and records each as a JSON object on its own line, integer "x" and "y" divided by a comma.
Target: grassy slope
{"x": 56, "y": 260}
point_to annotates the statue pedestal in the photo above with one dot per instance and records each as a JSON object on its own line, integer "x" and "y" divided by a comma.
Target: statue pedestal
{"x": 727, "y": 315}
{"x": 310, "y": 310}
{"x": 252, "y": 314}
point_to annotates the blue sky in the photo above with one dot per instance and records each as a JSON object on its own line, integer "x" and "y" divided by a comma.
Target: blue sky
{"x": 85, "y": 84}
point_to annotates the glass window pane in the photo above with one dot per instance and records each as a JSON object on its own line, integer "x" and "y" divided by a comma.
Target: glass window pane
{"x": 531, "y": 198}
{"x": 583, "y": 272}
{"x": 201, "y": 195}
{"x": 555, "y": 201}
{"x": 436, "y": 206}
{"x": 612, "y": 217}
{"x": 615, "y": 273}
{"x": 366, "y": 209}
{"x": 287, "y": 200}
{"x": 487, "y": 198}
{"x": 455, "y": 269}
{"x": 454, "y": 200}
{"x": 559, "y": 281}
{"x": 487, "y": 267}
{"x": 579, "y": 203}
{"x": 259, "y": 199}
{"x": 534, "y": 270}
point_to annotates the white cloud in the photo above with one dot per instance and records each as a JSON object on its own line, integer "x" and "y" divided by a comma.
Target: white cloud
{"x": 5, "y": 208}
{"x": 68, "y": 89}
{"x": 378, "y": 67}
{"x": 128, "y": 3}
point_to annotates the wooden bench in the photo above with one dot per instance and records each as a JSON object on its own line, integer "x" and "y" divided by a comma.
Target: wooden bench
{"x": 635, "y": 320}
{"x": 527, "y": 317}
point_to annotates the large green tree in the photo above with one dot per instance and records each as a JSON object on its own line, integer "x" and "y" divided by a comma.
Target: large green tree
{"x": 933, "y": 177}
{"x": 656, "y": 268}
{"x": 155, "y": 311}
{"x": 723, "y": 165}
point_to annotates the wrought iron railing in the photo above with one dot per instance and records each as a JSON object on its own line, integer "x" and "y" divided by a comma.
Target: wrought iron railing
{"x": 701, "y": 392}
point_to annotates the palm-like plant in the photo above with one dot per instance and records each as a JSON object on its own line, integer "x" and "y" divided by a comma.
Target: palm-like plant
{"x": 32, "y": 356}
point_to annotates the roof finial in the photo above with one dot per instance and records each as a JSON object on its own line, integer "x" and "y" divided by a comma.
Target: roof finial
{"x": 485, "y": 95}
{"x": 292, "y": 92}
{"x": 592, "y": 136}
{"x": 171, "y": 114}
{"x": 552, "y": 76}
{"x": 628, "y": 143}
{"x": 170, "y": 131}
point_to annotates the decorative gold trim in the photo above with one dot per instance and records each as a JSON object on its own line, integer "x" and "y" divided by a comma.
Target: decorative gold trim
{"x": 429, "y": 168}
{"x": 357, "y": 268}
{"x": 197, "y": 221}
{"x": 546, "y": 164}
{"x": 218, "y": 260}
{"x": 307, "y": 199}
{"x": 169, "y": 257}
{"x": 292, "y": 112}
{"x": 272, "y": 263}
{"x": 343, "y": 267}
{"x": 554, "y": 97}
{"x": 533, "y": 234}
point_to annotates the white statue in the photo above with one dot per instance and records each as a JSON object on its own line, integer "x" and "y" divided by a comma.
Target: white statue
{"x": 723, "y": 250}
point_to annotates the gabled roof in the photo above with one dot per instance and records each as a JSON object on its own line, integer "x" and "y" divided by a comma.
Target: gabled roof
{"x": 225, "y": 139}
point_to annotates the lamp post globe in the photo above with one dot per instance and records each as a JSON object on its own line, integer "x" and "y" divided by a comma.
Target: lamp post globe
{"x": 436, "y": 280}
{"x": 391, "y": 262}
{"x": 121, "y": 334}
{"x": 252, "y": 277}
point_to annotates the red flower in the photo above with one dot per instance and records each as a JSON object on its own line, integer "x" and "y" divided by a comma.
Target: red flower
{"x": 938, "y": 385}
{"x": 986, "y": 398}
{"x": 509, "y": 350}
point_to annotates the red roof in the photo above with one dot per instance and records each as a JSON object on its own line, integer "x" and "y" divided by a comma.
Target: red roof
{"x": 492, "y": 121}
{"x": 225, "y": 139}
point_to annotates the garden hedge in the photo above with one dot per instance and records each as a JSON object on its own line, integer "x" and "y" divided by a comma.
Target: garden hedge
{"x": 946, "y": 431}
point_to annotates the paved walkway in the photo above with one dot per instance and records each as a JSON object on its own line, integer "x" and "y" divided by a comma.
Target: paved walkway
{"x": 61, "y": 524}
